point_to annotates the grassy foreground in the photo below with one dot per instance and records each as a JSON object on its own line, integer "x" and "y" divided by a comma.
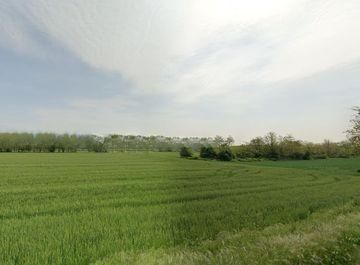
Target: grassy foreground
{"x": 155, "y": 208}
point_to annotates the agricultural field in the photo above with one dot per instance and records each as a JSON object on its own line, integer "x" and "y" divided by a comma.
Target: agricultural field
{"x": 156, "y": 208}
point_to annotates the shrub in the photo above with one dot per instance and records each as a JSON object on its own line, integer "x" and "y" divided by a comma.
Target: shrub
{"x": 52, "y": 148}
{"x": 343, "y": 156}
{"x": 225, "y": 153}
{"x": 244, "y": 152}
{"x": 207, "y": 152}
{"x": 272, "y": 155}
{"x": 297, "y": 156}
{"x": 185, "y": 152}
{"x": 307, "y": 155}
{"x": 320, "y": 156}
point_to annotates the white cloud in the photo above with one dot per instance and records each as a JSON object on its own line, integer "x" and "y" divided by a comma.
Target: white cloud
{"x": 148, "y": 41}
{"x": 321, "y": 36}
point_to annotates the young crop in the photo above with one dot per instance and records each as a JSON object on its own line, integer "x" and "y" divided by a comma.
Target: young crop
{"x": 79, "y": 208}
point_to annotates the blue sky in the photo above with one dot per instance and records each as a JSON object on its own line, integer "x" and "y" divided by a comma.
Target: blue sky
{"x": 180, "y": 68}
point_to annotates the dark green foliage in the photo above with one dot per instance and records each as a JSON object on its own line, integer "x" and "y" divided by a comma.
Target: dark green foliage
{"x": 307, "y": 156}
{"x": 257, "y": 147}
{"x": 99, "y": 148}
{"x": 225, "y": 153}
{"x": 243, "y": 152}
{"x": 208, "y": 152}
{"x": 320, "y": 156}
{"x": 273, "y": 155}
{"x": 52, "y": 148}
{"x": 295, "y": 156}
{"x": 185, "y": 152}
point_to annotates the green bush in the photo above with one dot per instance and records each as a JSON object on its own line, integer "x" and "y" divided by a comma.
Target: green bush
{"x": 297, "y": 156}
{"x": 243, "y": 152}
{"x": 320, "y": 156}
{"x": 52, "y": 148}
{"x": 207, "y": 152}
{"x": 225, "y": 153}
{"x": 307, "y": 156}
{"x": 185, "y": 152}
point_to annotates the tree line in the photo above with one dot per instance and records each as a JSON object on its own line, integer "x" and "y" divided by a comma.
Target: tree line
{"x": 270, "y": 146}
{"x": 222, "y": 152}
{"x": 51, "y": 142}
{"x": 275, "y": 147}
{"x": 47, "y": 142}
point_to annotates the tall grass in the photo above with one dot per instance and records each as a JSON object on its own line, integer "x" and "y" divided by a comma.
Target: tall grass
{"x": 82, "y": 208}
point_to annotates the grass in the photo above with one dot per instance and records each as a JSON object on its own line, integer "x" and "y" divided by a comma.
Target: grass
{"x": 327, "y": 237}
{"x": 155, "y": 208}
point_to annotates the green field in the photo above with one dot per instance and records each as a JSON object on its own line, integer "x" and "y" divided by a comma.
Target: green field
{"x": 156, "y": 208}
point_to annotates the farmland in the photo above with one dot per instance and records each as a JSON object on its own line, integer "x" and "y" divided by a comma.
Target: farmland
{"x": 156, "y": 208}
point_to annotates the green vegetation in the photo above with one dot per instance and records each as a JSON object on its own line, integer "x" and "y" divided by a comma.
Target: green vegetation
{"x": 208, "y": 152}
{"x": 222, "y": 153}
{"x": 185, "y": 152}
{"x": 327, "y": 237}
{"x": 271, "y": 146}
{"x": 354, "y": 131}
{"x": 156, "y": 208}
{"x": 51, "y": 142}
{"x": 225, "y": 153}
{"x": 274, "y": 147}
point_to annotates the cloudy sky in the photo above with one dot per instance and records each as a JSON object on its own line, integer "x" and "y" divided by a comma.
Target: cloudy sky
{"x": 180, "y": 67}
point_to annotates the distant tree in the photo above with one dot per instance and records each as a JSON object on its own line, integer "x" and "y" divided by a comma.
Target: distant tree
{"x": 257, "y": 147}
{"x": 244, "y": 151}
{"x": 185, "y": 152}
{"x": 225, "y": 153}
{"x": 354, "y": 131}
{"x": 290, "y": 148}
{"x": 330, "y": 149}
{"x": 207, "y": 152}
{"x": 271, "y": 146}
{"x": 218, "y": 141}
{"x": 307, "y": 155}
{"x": 344, "y": 149}
{"x": 52, "y": 148}
{"x": 99, "y": 144}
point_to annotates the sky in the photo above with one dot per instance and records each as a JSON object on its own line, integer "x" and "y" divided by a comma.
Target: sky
{"x": 180, "y": 67}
